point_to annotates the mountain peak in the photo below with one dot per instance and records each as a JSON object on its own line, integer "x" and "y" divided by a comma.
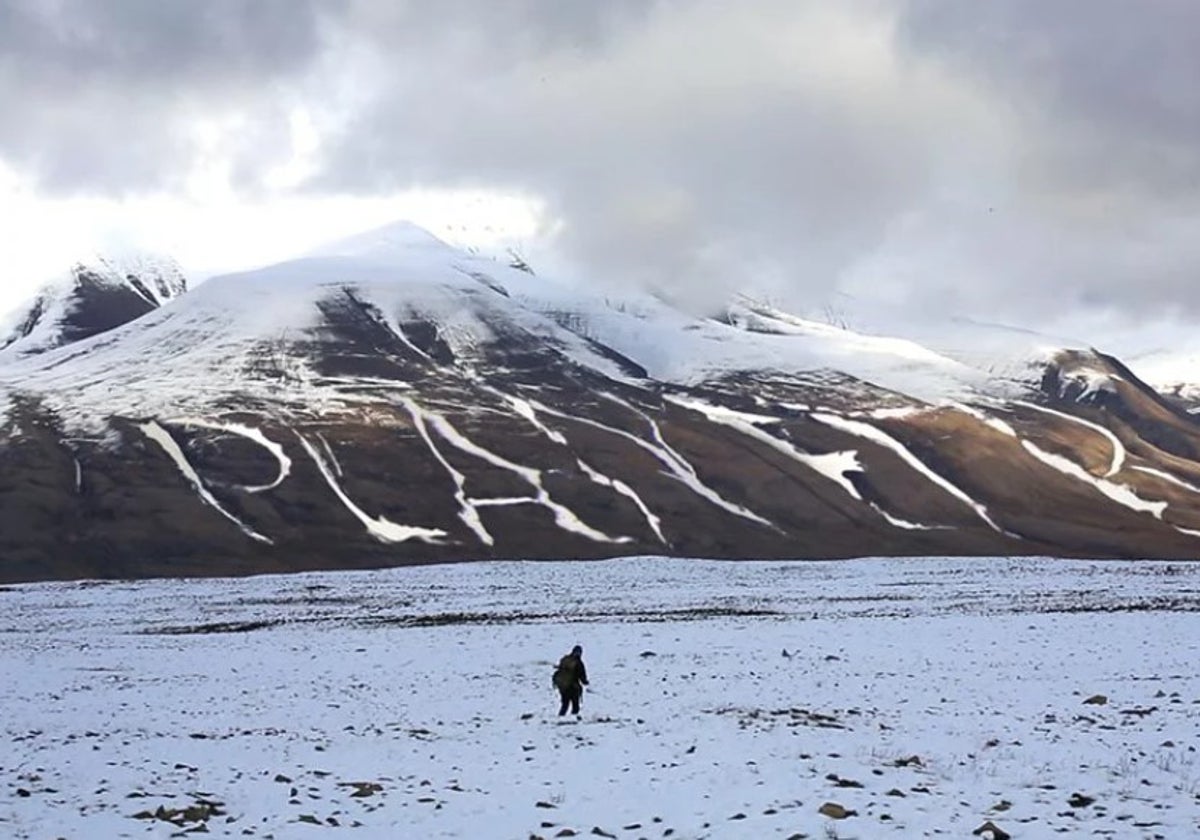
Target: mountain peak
{"x": 97, "y": 294}
{"x": 400, "y": 401}
{"x": 396, "y": 240}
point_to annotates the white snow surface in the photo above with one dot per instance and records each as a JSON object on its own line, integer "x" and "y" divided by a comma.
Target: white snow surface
{"x": 1167, "y": 477}
{"x": 564, "y": 517}
{"x": 831, "y": 465}
{"x": 1118, "y": 448}
{"x": 1120, "y": 493}
{"x": 379, "y": 527}
{"x": 167, "y": 443}
{"x": 986, "y": 419}
{"x": 256, "y": 435}
{"x": 225, "y": 328}
{"x": 882, "y": 438}
{"x": 727, "y": 700}
{"x": 161, "y": 279}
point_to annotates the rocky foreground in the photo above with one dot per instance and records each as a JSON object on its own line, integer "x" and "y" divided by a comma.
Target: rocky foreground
{"x": 879, "y": 698}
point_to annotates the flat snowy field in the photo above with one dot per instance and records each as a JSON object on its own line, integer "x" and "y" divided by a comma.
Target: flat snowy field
{"x": 925, "y": 697}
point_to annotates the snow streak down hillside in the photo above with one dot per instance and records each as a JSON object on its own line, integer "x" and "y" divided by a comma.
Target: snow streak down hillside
{"x": 728, "y": 700}
{"x": 390, "y": 400}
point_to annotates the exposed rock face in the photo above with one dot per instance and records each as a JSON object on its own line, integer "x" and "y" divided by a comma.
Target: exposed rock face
{"x": 94, "y": 298}
{"x": 414, "y": 404}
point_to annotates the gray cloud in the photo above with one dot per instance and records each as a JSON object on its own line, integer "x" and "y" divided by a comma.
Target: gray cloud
{"x": 690, "y": 147}
{"x": 1108, "y": 79}
{"x": 1103, "y": 184}
{"x": 105, "y": 96}
{"x": 1014, "y": 159}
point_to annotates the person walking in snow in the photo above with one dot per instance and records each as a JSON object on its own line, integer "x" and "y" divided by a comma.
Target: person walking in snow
{"x": 569, "y": 678}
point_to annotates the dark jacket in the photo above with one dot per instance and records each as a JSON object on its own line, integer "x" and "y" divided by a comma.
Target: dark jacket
{"x": 571, "y": 673}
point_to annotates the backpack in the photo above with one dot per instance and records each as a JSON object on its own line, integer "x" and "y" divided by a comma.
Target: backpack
{"x": 564, "y": 674}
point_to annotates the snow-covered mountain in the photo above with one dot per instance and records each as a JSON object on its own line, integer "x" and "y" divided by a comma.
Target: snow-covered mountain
{"x": 93, "y": 297}
{"x": 390, "y": 399}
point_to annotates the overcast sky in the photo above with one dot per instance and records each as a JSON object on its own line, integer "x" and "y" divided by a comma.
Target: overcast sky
{"x": 1015, "y": 160}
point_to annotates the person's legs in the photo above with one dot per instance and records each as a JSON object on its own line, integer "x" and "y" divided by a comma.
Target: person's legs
{"x": 575, "y": 700}
{"x": 566, "y": 700}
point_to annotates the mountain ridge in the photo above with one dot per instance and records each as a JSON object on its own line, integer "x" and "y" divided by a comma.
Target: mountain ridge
{"x": 403, "y": 402}
{"x": 96, "y": 295}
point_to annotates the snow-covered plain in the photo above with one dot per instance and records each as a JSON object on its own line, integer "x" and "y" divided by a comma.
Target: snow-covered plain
{"x": 729, "y": 700}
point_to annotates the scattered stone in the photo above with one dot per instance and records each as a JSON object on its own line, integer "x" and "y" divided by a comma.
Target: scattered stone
{"x": 567, "y": 832}
{"x": 283, "y": 779}
{"x": 992, "y": 831}
{"x": 1096, "y": 700}
{"x": 363, "y": 789}
{"x": 198, "y": 814}
{"x": 1079, "y": 800}
{"x": 600, "y": 832}
{"x": 1140, "y": 711}
{"x": 911, "y": 761}
{"x": 895, "y": 792}
{"x": 308, "y": 818}
{"x": 1002, "y": 805}
{"x": 544, "y": 805}
{"x": 646, "y": 654}
{"x": 835, "y": 811}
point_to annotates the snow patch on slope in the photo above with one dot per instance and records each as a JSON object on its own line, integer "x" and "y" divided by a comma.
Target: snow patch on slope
{"x": 882, "y": 438}
{"x": 831, "y": 465}
{"x": 988, "y": 420}
{"x": 1119, "y": 493}
{"x": 256, "y": 435}
{"x": 163, "y": 438}
{"x": 380, "y": 527}
{"x": 1118, "y": 448}
{"x": 564, "y": 517}
{"x": 1171, "y": 479}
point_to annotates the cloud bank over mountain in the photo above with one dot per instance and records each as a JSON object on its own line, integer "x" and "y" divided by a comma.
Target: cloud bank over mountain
{"x": 1023, "y": 162}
